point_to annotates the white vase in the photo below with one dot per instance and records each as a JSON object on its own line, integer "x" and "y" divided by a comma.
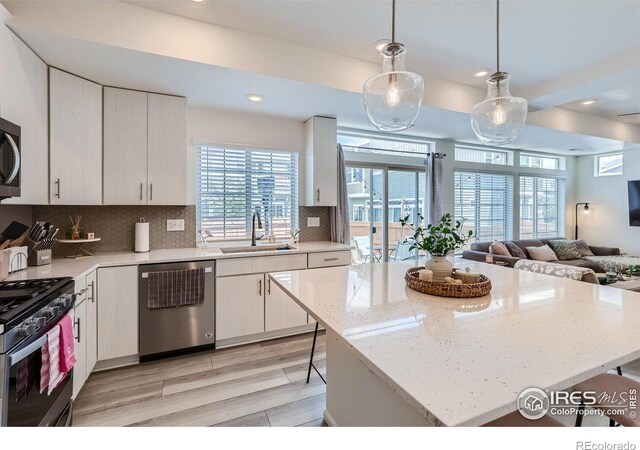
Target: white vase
{"x": 440, "y": 266}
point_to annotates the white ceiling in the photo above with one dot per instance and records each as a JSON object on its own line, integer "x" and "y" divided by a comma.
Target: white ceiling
{"x": 449, "y": 40}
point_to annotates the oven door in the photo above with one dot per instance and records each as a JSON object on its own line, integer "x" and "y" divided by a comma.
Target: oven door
{"x": 24, "y": 405}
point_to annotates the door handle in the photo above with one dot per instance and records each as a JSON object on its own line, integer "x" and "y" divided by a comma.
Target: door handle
{"x": 269, "y": 286}
{"x": 16, "y": 159}
{"x": 141, "y": 185}
{"x": 77, "y": 324}
{"x": 151, "y": 192}
{"x": 57, "y": 188}
{"x": 318, "y": 195}
{"x": 259, "y": 287}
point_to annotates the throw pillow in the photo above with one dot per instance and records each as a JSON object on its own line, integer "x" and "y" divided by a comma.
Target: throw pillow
{"x": 498, "y": 248}
{"x": 515, "y": 250}
{"x": 565, "y": 250}
{"x": 583, "y": 248}
{"x": 543, "y": 253}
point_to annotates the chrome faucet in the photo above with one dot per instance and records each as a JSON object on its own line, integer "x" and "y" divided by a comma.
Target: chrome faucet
{"x": 253, "y": 228}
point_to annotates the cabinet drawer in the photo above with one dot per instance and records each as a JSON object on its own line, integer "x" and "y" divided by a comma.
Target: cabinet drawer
{"x": 260, "y": 264}
{"x": 328, "y": 259}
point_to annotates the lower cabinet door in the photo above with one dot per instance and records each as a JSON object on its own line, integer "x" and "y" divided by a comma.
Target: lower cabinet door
{"x": 80, "y": 332}
{"x": 239, "y": 306}
{"x": 280, "y": 309}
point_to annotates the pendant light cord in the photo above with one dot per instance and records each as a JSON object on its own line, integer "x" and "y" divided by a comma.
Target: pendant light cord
{"x": 393, "y": 22}
{"x": 497, "y": 35}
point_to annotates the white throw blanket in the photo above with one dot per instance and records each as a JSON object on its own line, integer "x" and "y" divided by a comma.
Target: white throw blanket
{"x": 557, "y": 270}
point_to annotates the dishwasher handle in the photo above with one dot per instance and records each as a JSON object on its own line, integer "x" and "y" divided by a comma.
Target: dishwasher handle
{"x": 206, "y": 270}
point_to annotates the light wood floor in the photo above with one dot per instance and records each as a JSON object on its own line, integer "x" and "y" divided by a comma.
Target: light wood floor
{"x": 253, "y": 385}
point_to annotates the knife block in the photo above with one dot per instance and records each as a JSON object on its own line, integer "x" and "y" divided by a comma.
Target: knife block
{"x": 39, "y": 258}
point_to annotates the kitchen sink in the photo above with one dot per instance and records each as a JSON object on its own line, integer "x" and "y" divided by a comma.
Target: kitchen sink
{"x": 257, "y": 248}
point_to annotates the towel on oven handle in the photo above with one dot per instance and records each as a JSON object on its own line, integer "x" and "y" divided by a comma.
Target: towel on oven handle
{"x": 174, "y": 288}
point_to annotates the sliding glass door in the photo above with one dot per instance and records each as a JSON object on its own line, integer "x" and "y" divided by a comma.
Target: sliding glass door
{"x": 379, "y": 196}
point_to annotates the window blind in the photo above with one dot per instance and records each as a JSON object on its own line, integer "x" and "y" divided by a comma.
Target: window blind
{"x": 232, "y": 184}
{"x": 542, "y": 207}
{"x": 485, "y": 202}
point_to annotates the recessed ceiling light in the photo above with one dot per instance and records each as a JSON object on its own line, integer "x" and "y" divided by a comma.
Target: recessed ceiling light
{"x": 588, "y": 102}
{"x": 380, "y": 44}
{"x": 575, "y": 149}
{"x": 482, "y": 73}
{"x": 254, "y": 97}
{"x": 197, "y": 1}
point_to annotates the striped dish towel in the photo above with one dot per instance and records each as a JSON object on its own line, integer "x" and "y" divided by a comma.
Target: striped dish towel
{"x": 50, "y": 374}
{"x": 173, "y": 288}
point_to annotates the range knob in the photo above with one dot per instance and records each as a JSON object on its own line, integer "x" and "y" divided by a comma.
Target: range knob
{"x": 28, "y": 329}
{"x": 39, "y": 321}
{"x": 51, "y": 311}
{"x": 63, "y": 301}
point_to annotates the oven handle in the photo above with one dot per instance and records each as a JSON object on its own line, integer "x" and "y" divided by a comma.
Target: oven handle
{"x": 21, "y": 354}
{"x": 16, "y": 159}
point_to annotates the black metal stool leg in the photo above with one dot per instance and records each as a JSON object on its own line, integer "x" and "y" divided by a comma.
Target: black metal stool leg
{"x": 313, "y": 349}
{"x": 619, "y": 369}
{"x": 580, "y": 414}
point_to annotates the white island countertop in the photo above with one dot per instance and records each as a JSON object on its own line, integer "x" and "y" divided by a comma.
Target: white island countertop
{"x": 465, "y": 361}
{"x": 65, "y": 267}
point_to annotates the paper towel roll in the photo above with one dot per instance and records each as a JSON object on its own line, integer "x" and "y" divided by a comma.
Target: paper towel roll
{"x": 142, "y": 237}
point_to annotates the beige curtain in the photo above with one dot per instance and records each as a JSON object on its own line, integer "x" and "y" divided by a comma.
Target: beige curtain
{"x": 340, "y": 214}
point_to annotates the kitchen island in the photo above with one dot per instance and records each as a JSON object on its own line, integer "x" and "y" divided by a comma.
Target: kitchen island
{"x": 399, "y": 357}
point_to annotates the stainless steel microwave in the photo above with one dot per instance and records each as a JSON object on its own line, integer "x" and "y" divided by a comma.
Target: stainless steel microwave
{"x": 9, "y": 159}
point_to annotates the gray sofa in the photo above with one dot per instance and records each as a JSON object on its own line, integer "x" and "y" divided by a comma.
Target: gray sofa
{"x": 480, "y": 250}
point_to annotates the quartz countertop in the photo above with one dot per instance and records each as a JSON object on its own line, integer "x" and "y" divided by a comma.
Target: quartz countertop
{"x": 75, "y": 268}
{"x": 465, "y": 361}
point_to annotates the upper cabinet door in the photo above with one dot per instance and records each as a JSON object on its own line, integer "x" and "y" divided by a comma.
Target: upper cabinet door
{"x": 24, "y": 101}
{"x": 167, "y": 150}
{"x": 125, "y": 147}
{"x": 321, "y": 158}
{"x": 75, "y": 127}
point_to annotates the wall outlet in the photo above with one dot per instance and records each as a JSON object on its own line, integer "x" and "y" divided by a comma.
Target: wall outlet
{"x": 313, "y": 221}
{"x": 175, "y": 225}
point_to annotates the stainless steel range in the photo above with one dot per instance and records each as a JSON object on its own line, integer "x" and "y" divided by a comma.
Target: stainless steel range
{"x": 28, "y": 310}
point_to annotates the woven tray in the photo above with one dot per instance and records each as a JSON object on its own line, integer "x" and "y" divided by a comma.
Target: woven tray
{"x": 445, "y": 289}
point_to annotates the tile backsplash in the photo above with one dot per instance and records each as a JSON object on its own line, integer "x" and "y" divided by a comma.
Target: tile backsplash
{"x": 115, "y": 224}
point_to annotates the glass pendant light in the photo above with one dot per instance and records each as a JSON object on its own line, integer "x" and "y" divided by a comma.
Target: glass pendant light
{"x": 392, "y": 99}
{"x": 500, "y": 117}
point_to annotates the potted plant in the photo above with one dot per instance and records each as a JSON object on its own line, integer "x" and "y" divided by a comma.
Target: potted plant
{"x": 439, "y": 241}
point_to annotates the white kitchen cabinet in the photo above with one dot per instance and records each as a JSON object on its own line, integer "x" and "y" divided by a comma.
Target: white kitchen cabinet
{"x": 80, "y": 331}
{"x": 167, "y": 150}
{"x": 75, "y": 137}
{"x": 239, "y": 306}
{"x": 24, "y": 101}
{"x": 321, "y": 161}
{"x": 125, "y": 147}
{"x": 280, "y": 310}
{"x": 117, "y": 312}
{"x": 91, "y": 334}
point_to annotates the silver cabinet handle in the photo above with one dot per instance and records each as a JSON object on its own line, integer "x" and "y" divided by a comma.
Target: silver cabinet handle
{"x": 77, "y": 323}
{"x": 318, "y": 195}
{"x": 259, "y": 287}
{"x": 16, "y": 159}
{"x": 151, "y": 192}
{"x": 57, "y": 188}
{"x": 93, "y": 299}
{"x": 141, "y": 186}
{"x": 331, "y": 259}
{"x": 269, "y": 286}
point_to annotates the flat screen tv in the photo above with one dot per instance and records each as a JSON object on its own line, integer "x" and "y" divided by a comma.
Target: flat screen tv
{"x": 634, "y": 203}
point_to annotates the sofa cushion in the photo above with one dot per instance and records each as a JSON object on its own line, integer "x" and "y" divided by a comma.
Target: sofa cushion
{"x": 565, "y": 250}
{"x": 584, "y": 263}
{"x": 543, "y": 253}
{"x": 583, "y": 248}
{"x": 515, "y": 251}
{"x": 498, "y": 248}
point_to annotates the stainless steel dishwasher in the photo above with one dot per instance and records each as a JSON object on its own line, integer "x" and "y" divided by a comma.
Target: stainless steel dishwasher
{"x": 176, "y": 304}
